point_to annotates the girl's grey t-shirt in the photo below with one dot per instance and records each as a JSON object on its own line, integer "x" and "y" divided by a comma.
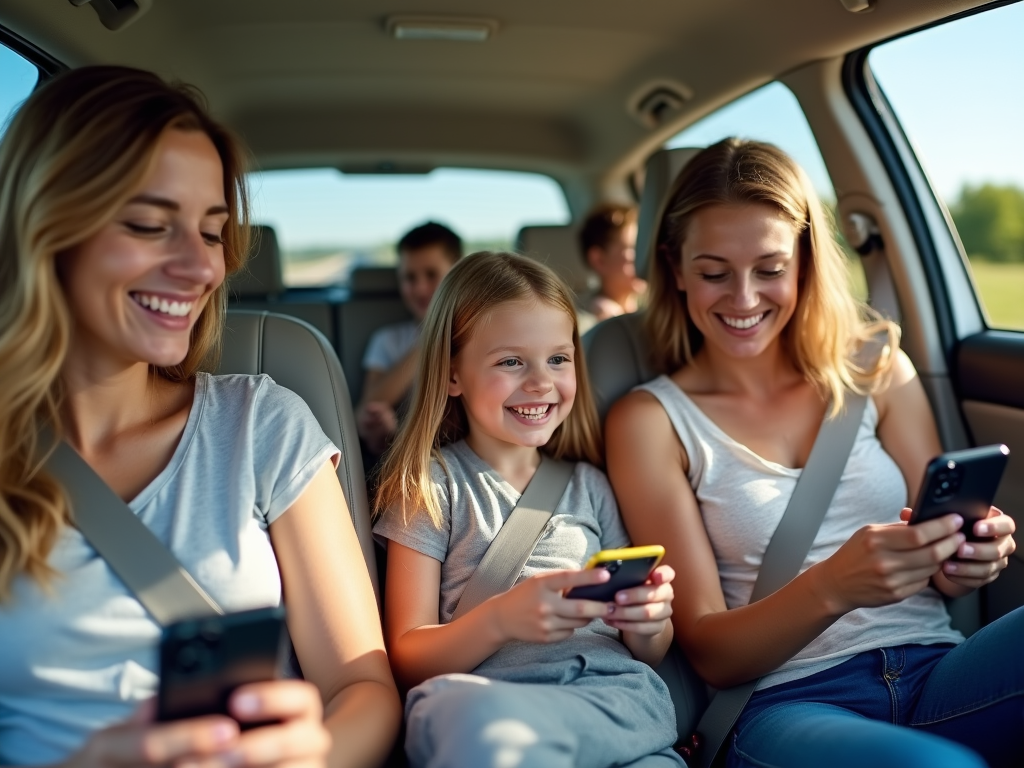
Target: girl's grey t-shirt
{"x": 475, "y": 502}
{"x": 84, "y": 656}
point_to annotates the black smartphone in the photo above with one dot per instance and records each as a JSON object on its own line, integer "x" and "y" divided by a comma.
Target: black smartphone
{"x": 964, "y": 482}
{"x": 202, "y": 661}
{"x": 629, "y": 567}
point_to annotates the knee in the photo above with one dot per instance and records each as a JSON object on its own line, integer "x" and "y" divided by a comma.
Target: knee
{"x": 479, "y": 720}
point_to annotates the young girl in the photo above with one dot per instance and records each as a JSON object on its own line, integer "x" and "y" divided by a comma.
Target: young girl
{"x": 500, "y": 372}
{"x": 752, "y": 321}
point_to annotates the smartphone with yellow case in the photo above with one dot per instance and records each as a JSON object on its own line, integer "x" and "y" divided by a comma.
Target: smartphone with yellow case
{"x": 629, "y": 567}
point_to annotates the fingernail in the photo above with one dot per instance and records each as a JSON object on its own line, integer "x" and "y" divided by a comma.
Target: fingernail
{"x": 958, "y": 521}
{"x": 961, "y": 538}
{"x": 611, "y": 609}
{"x": 966, "y": 550}
{"x": 246, "y": 704}
{"x": 223, "y": 732}
{"x": 621, "y": 597}
{"x": 951, "y": 567}
{"x": 983, "y": 529}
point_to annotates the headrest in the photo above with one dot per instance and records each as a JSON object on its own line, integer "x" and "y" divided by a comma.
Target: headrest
{"x": 661, "y": 171}
{"x": 374, "y": 281}
{"x": 558, "y": 247}
{"x": 262, "y": 273}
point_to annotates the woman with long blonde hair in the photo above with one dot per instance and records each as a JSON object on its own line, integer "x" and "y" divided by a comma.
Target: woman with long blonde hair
{"x": 122, "y": 210}
{"x": 529, "y": 676}
{"x": 758, "y": 337}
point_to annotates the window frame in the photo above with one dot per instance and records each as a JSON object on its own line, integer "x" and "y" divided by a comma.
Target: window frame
{"x": 959, "y": 307}
{"x": 47, "y": 65}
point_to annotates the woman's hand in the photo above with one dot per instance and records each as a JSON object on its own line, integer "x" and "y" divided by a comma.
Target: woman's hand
{"x": 297, "y": 738}
{"x": 141, "y": 742}
{"x": 980, "y": 561}
{"x": 883, "y": 564}
{"x": 644, "y": 610}
{"x": 535, "y": 611}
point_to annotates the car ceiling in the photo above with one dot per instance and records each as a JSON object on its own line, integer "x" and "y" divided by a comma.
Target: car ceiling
{"x": 316, "y": 82}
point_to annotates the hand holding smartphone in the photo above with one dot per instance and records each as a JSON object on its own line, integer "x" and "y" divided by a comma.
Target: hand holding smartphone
{"x": 629, "y": 567}
{"x": 961, "y": 482}
{"x": 203, "y": 661}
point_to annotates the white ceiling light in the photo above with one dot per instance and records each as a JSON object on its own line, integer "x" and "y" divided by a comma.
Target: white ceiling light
{"x": 459, "y": 29}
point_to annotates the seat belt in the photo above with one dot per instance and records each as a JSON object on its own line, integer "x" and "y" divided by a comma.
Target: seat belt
{"x": 147, "y": 567}
{"x": 507, "y": 554}
{"x": 786, "y": 553}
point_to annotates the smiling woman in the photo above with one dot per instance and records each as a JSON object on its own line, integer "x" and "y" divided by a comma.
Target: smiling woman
{"x": 122, "y": 211}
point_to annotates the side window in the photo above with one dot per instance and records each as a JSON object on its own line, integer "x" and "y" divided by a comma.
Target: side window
{"x": 956, "y": 91}
{"x": 773, "y": 114}
{"x": 328, "y": 222}
{"x": 17, "y": 79}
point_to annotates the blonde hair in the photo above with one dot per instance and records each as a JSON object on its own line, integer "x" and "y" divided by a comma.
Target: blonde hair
{"x": 829, "y": 326}
{"x": 73, "y": 155}
{"x": 474, "y": 287}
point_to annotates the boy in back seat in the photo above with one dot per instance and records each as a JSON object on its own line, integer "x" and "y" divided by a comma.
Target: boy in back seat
{"x": 425, "y": 254}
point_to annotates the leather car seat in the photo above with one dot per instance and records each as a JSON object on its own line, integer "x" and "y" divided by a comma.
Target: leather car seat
{"x": 297, "y": 356}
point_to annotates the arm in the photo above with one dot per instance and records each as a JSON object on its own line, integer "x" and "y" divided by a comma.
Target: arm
{"x": 906, "y": 429}
{"x": 880, "y": 564}
{"x": 334, "y": 623}
{"x": 533, "y": 610}
{"x": 390, "y": 386}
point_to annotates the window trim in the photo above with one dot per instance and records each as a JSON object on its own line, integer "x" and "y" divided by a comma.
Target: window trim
{"x": 47, "y": 65}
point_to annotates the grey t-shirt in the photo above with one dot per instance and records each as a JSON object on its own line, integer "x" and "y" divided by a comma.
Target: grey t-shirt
{"x": 475, "y": 502}
{"x": 84, "y": 656}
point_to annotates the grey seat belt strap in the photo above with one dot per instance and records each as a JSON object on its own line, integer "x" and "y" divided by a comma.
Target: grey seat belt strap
{"x": 787, "y": 551}
{"x": 505, "y": 557}
{"x": 133, "y": 552}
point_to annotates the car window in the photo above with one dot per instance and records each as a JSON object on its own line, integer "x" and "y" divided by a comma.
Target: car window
{"x": 956, "y": 90}
{"x": 328, "y": 222}
{"x": 18, "y": 77}
{"x": 773, "y": 114}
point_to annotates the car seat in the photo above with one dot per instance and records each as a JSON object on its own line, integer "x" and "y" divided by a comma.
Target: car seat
{"x": 297, "y": 356}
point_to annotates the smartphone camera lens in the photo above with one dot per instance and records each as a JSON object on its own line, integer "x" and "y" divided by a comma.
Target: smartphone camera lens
{"x": 613, "y": 566}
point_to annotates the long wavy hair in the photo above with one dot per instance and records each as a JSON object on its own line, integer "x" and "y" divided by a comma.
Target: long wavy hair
{"x": 829, "y": 327}
{"x": 71, "y": 158}
{"x": 473, "y": 288}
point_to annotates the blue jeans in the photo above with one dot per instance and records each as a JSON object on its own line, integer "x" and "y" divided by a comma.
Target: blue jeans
{"x": 913, "y": 705}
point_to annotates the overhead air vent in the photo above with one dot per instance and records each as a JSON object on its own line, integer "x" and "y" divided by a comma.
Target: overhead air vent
{"x": 658, "y": 102}
{"x": 450, "y": 28}
{"x": 858, "y": 6}
{"x": 116, "y": 14}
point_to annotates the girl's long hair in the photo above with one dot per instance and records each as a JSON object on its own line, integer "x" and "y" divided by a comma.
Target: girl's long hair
{"x": 473, "y": 288}
{"x": 72, "y": 156}
{"x": 829, "y": 326}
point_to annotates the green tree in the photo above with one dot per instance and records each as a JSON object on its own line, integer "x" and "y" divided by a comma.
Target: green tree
{"x": 990, "y": 220}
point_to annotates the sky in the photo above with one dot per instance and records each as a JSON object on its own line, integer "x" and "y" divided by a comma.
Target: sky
{"x": 958, "y": 90}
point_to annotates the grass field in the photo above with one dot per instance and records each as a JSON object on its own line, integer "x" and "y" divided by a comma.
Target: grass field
{"x": 1001, "y": 287}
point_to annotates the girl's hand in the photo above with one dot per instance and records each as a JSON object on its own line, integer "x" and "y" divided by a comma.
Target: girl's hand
{"x": 985, "y": 558}
{"x": 535, "y": 611}
{"x": 297, "y": 738}
{"x": 141, "y": 742}
{"x": 644, "y": 610}
{"x": 883, "y": 564}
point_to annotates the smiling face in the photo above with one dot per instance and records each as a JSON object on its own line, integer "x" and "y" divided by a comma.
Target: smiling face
{"x": 136, "y": 288}
{"x": 516, "y": 376}
{"x": 740, "y": 271}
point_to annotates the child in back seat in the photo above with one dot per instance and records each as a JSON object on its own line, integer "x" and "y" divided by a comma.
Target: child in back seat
{"x": 528, "y": 677}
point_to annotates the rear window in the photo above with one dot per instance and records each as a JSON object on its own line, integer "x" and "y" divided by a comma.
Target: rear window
{"x": 328, "y": 222}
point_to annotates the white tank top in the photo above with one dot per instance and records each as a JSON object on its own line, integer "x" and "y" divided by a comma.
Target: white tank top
{"x": 742, "y": 497}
